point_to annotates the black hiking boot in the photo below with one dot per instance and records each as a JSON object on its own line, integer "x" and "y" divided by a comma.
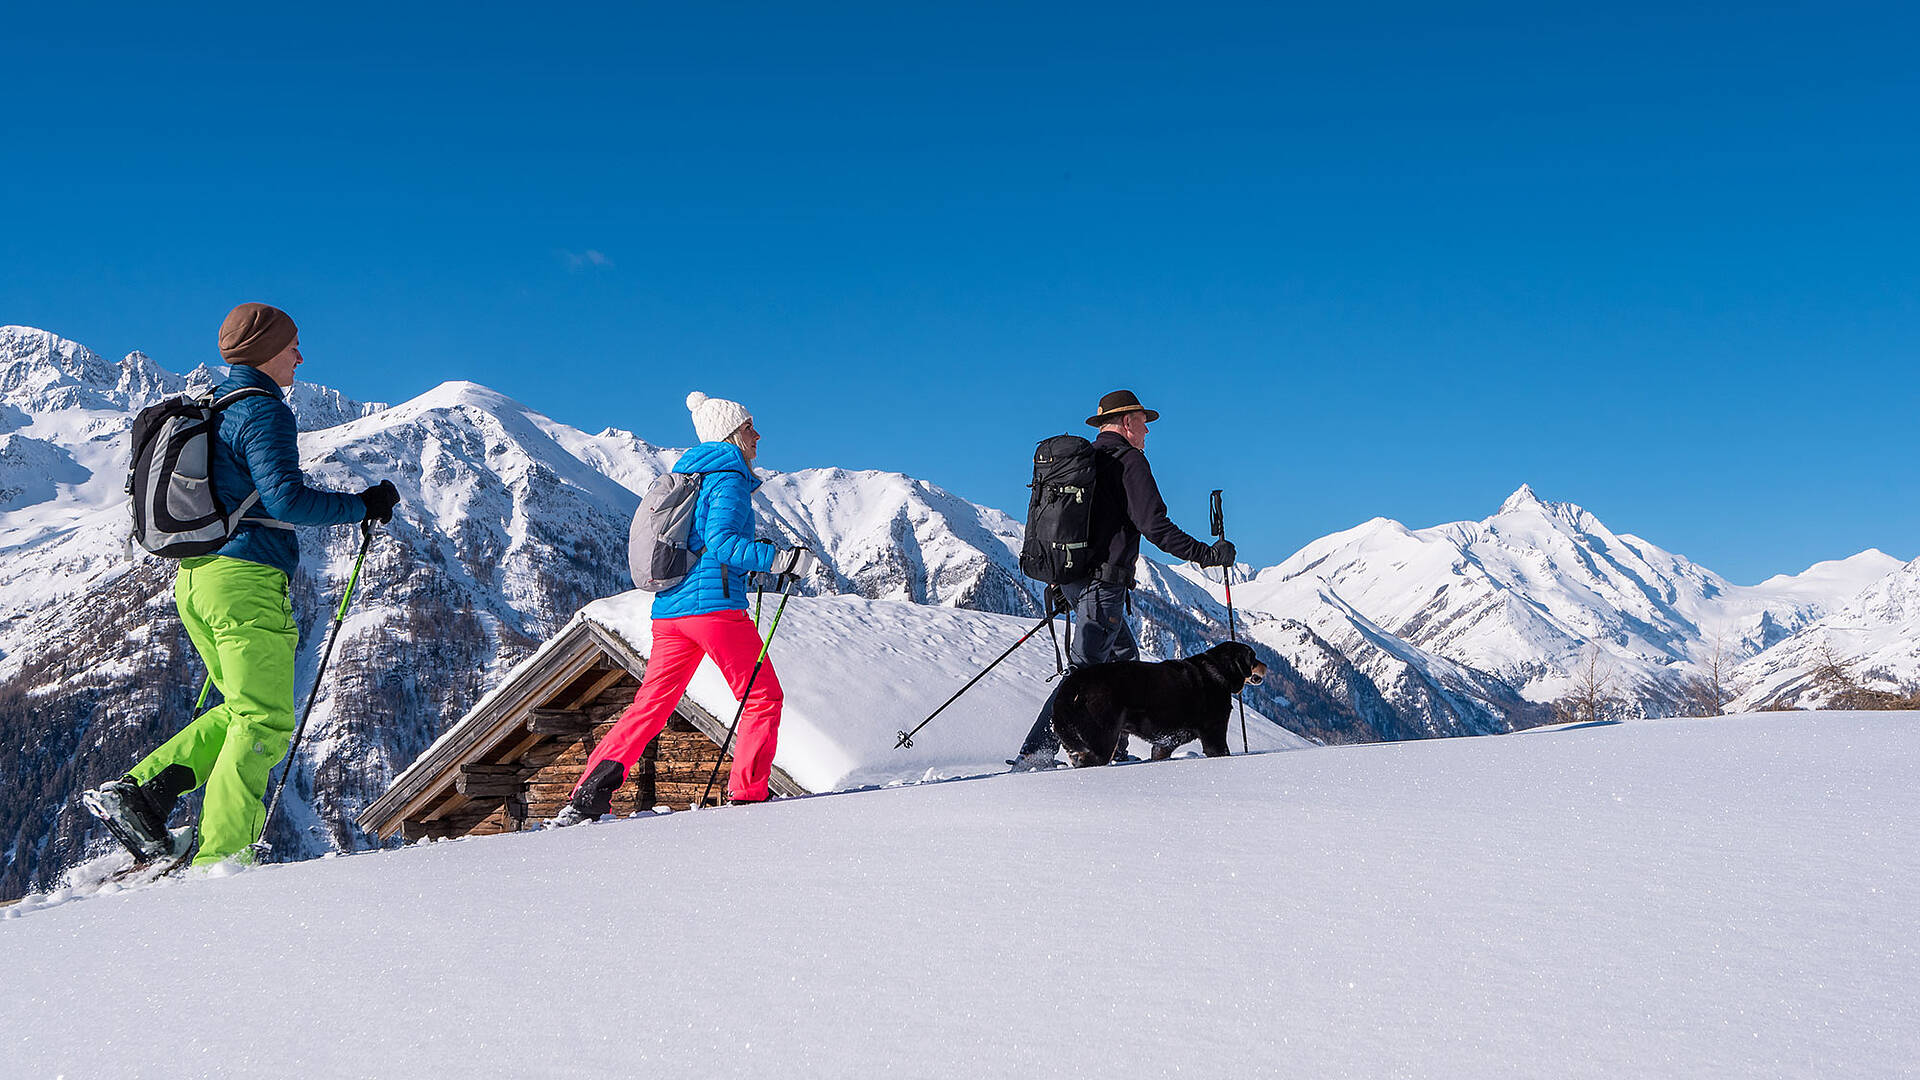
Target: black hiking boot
{"x": 124, "y": 807}
{"x": 164, "y": 790}
{"x": 593, "y": 798}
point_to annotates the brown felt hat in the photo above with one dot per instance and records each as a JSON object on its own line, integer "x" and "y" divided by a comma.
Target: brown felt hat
{"x": 255, "y": 333}
{"x": 1118, "y": 404}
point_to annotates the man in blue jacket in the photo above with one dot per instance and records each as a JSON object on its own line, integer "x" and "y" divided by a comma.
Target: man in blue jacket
{"x": 236, "y": 607}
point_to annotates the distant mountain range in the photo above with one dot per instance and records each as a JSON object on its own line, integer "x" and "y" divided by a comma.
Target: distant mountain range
{"x": 1522, "y": 601}
{"x": 511, "y": 521}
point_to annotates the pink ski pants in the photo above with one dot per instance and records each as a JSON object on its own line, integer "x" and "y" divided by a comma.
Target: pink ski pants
{"x": 731, "y": 639}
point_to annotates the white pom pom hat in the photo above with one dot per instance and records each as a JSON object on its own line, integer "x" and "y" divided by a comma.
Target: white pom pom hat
{"x": 715, "y": 418}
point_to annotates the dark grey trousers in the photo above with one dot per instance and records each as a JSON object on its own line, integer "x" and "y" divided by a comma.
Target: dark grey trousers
{"x": 1100, "y": 635}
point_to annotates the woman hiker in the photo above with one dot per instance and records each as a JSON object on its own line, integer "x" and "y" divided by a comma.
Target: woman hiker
{"x": 705, "y": 615}
{"x": 236, "y": 609}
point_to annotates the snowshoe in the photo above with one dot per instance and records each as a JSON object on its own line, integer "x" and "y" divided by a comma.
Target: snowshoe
{"x": 569, "y": 815}
{"x": 123, "y": 807}
{"x": 177, "y": 852}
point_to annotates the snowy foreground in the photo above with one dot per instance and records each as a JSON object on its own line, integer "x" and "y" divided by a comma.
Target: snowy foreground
{"x": 1685, "y": 898}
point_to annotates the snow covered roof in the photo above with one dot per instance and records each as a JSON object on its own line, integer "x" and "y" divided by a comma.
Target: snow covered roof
{"x": 855, "y": 673}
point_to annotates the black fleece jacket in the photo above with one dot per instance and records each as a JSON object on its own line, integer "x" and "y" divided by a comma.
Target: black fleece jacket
{"x": 1126, "y": 506}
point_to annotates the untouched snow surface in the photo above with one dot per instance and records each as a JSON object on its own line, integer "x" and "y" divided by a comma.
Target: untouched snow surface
{"x": 1733, "y": 897}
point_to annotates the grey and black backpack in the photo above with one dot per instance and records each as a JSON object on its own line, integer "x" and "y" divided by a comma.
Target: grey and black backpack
{"x": 657, "y": 545}
{"x": 176, "y": 512}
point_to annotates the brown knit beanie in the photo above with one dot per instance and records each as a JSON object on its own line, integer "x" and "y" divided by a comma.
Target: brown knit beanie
{"x": 255, "y": 333}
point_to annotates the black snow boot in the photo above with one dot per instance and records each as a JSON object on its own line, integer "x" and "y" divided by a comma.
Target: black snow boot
{"x": 124, "y": 808}
{"x": 593, "y": 797}
{"x": 165, "y": 789}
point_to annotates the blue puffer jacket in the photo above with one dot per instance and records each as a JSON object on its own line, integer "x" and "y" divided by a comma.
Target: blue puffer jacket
{"x": 722, "y": 531}
{"x": 259, "y": 448}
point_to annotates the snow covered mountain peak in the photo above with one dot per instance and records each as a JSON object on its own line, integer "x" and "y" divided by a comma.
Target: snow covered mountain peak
{"x": 40, "y": 371}
{"x": 1521, "y": 499}
{"x": 1837, "y": 576}
{"x": 1524, "y": 511}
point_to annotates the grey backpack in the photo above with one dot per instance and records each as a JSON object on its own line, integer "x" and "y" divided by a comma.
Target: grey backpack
{"x": 176, "y": 512}
{"x": 657, "y": 546}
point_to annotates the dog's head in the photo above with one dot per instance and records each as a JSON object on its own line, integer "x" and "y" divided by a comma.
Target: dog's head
{"x": 1239, "y": 664}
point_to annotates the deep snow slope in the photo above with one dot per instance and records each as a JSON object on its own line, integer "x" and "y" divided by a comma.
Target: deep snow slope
{"x": 1732, "y": 897}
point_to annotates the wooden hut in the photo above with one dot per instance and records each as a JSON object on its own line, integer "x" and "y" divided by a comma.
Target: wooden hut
{"x": 513, "y": 760}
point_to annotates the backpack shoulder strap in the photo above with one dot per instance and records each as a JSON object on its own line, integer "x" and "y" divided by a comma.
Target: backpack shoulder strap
{"x": 240, "y": 513}
{"x": 244, "y": 392}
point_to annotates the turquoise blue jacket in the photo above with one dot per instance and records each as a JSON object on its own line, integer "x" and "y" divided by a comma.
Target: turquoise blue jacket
{"x": 722, "y": 532}
{"x": 259, "y": 449}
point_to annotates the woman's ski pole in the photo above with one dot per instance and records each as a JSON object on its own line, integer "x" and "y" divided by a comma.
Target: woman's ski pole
{"x": 785, "y": 595}
{"x": 260, "y": 846}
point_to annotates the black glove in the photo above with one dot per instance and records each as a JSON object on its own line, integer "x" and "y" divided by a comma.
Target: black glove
{"x": 381, "y": 499}
{"x": 1220, "y": 554}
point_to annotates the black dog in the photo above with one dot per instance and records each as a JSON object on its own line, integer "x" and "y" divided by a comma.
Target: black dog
{"x": 1166, "y": 704}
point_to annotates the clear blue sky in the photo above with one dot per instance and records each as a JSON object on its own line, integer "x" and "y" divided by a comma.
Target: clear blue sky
{"x": 1367, "y": 259}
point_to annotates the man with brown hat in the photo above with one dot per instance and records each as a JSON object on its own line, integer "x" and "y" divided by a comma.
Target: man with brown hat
{"x": 236, "y": 607}
{"x": 1126, "y": 506}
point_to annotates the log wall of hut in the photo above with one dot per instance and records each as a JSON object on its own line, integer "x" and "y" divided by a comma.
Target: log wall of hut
{"x": 528, "y": 779}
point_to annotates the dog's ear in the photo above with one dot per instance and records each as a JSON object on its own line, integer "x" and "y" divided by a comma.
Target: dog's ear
{"x": 1225, "y": 654}
{"x": 1247, "y": 659}
{"x": 1222, "y": 664}
{"x": 1238, "y": 657}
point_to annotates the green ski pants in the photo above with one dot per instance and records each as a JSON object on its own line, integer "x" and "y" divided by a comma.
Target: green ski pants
{"x": 241, "y": 622}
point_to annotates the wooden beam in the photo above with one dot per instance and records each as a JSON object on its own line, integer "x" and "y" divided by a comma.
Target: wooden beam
{"x": 486, "y": 789}
{"x": 559, "y": 722}
{"x": 424, "y": 830}
{"x": 484, "y": 781}
{"x": 602, "y": 679}
{"x": 450, "y": 801}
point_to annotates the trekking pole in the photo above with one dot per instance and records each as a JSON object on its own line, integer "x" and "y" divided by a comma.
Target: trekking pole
{"x": 1233, "y": 633}
{"x": 906, "y": 737}
{"x": 785, "y": 581}
{"x": 366, "y": 540}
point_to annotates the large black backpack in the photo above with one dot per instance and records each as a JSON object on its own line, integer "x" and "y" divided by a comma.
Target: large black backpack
{"x": 1058, "y": 547}
{"x": 176, "y": 512}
